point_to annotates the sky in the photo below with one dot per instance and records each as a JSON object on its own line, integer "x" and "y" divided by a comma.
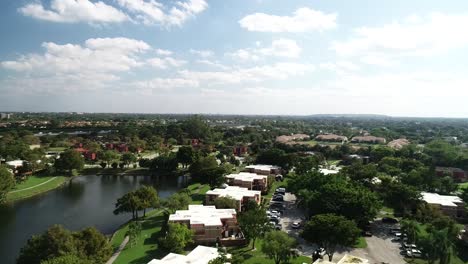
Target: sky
{"x": 392, "y": 57}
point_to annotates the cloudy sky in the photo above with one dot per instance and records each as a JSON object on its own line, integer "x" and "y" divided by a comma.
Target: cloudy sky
{"x": 395, "y": 57}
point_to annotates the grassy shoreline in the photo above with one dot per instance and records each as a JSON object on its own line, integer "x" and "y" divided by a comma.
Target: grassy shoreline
{"x": 35, "y": 185}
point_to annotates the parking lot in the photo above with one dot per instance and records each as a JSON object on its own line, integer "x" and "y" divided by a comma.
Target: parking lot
{"x": 380, "y": 248}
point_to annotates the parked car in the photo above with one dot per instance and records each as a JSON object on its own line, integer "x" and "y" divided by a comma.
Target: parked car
{"x": 278, "y": 198}
{"x": 274, "y": 219}
{"x": 367, "y": 233}
{"x": 281, "y": 190}
{"x": 296, "y": 225}
{"x": 409, "y": 246}
{"x": 389, "y": 220}
{"x": 413, "y": 253}
{"x": 393, "y": 231}
{"x": 276, "y": 205}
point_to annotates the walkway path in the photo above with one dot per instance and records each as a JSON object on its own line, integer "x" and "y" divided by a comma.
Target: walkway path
{"x": 34, "y": 186}
{"x": 117, "y": 253}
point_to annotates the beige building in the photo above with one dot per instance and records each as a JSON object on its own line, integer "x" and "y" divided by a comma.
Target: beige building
{"x": 240, "y": 194}
{"x": 210, "y": 225}
{"x": 332, "y": 138}
{"x": 251, "y": 181}
{"x": 452, "y": 206}
{"x": 200, "y": 255}
{"x": 263, "y": 169}
{"x": 369, "y": 139}
{"x": 347, "y": 259}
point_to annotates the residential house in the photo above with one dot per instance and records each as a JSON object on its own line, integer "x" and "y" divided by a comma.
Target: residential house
{"x": 457, "y": 174}
{"x": 398, "y": 143}
{"x": 240, "y": 150}
{"x": 449, "y": 205}
{"x": 240, "y": 194}
{"x": 251, "y": 181}
{"x": 210, "y": 225}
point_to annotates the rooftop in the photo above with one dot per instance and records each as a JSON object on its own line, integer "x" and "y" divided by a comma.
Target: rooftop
{"x": 246, "y": 176}
{"x": 200, "y": 255}
{"x": 203, "y": 215}
{"x": 347, "y": 259}
{"x": 237, "y": 193}
{"x": 262, "y": 167}
{"x": 444, "y": 200}
{"x": 329, "y": 171}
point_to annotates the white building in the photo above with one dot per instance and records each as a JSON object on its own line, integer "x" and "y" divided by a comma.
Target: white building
{"x": 15, "y": 163}
{"x": 448, "y": 204}
{"x": 200, "y": 255}
{"x": 240, "y": 194}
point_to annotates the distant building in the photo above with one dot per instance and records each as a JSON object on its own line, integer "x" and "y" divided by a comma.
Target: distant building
{"x": 449, "y": 205}
{"x": 369, "y": 139}
{"x": 398, "y": 143}
{"x": 5, "y": 116}
{"x": 240, "y": 194}
{"x": 200, "y": 255}
{"x": 251, "y": 181}
{"x": 263, "y": 169}
{"x": 240, "y": 150}
{"x": 210, "y": 225}
{"x": 293, "y": 137}
{"x": 329, "y": 171}
{"x": 457, "y": 174}
{"x": 35, "y": 146}
{"x": 331, "y": 138}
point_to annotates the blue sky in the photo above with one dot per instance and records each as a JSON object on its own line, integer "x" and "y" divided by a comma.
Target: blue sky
{"x": 402, "y": 58}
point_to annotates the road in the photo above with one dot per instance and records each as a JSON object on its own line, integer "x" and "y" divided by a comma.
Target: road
{"x": 380, "y": 248}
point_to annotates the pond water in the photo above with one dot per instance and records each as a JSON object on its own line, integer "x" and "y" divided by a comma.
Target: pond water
{"x": 84, "y": 201}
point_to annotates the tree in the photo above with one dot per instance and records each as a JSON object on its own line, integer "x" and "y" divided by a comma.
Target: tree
{"x": 58, "y": 245}
{"x": 128, "y": 158}
{"x": 128, "y": 203}
{"x": 185, "y": 155}
{"x": 207, "y": 170}
{"x": 177, "y": 201}
{"x": 330, "y": 231}
{"x": 7, "y": 182}
{"x": 411, "y": 229}
{"x": 195, "y": 127}
{"x": 109, "y": 156}
{"x": 226, "y": 203}
{"x": 148, "y": 198}
{"x": 164, "y": 163}
{"x": 69, "y": 160}
{"x": 254, "y": 223}
{"x": 67, "y": 259}
{"x": 464, "y": 195}
{"x": 178, "y": 236}
{"x": 278, "y": 246}
{"x": 401, "y": 197}
{"x": 134, "y": 230}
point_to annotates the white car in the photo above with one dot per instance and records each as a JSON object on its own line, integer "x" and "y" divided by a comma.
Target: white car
{"x": 413, "y": 253}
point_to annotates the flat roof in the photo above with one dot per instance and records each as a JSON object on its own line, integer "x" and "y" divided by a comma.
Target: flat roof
{"x": 328, "y": 171}
{"x": 246, "y": 176}
{"x": 203, "y": 215}
{"x": 200, "y": 255}
{"x": 444, "y": 200}
{"x": 262, "y": 167}
{"x": 235, "y": 192}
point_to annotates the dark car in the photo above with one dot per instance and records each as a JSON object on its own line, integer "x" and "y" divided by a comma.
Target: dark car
{"x": 367, "y": 233}
{"x": 389, "y": 220}
{"x": 278, "y": 199}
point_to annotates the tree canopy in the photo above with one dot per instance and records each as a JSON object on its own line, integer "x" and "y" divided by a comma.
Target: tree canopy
{"x": 278, "y": 246}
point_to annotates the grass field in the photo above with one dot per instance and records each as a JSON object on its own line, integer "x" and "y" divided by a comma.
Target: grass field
{"x": 361, "y": 243}
{"x": 257, "y": 257}
{"x": 35, "y": 185}
{"x": 146, "y": 248}
{"x": 463, "y": 185}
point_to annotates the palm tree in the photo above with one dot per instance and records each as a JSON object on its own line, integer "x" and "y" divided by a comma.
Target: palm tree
{"x": 411, "y": 228}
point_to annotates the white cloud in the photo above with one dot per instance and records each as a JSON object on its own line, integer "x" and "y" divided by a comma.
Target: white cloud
{"x": 165, "y": 63}
{"x": 88, "y": 66}
{"x": 215, "y": 64}
{"x": 70, "y": 11}
{"x": 202, "y": 53}
{"x": 153, "y": 12}
{"x": 278, "y": 71}
{"x": 163, "y": 52}
{"x": 161, "y": 84}
{"x": 413, "y": 36}
{"x": 303, "y": 20}
{"x": 286, "y": 48}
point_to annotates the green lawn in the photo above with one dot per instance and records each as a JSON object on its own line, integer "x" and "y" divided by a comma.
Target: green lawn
{"x": 463, "y": 185}
{"x": 198, "y": 192}
{"x": 361, "y": 243}
{"x": 146, "y": 248}
{"x": 257, "y": 257}
{"x": 35, "y": 185}
{"x": 57, "y": 149}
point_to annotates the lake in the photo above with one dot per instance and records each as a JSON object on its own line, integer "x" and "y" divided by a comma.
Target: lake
{"x": 84, "y": 201}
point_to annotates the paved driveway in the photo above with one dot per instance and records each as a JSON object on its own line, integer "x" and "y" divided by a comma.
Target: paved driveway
{"x": 379, "y": 249}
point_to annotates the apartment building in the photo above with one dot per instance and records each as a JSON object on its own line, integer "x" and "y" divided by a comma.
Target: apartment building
{"x": 449, "y": 205}
{"x": 210, "y": 225}
{"x": 240, "y": 194}
{"x": 251, "y": 181}
{"x": 263, "y": 169}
